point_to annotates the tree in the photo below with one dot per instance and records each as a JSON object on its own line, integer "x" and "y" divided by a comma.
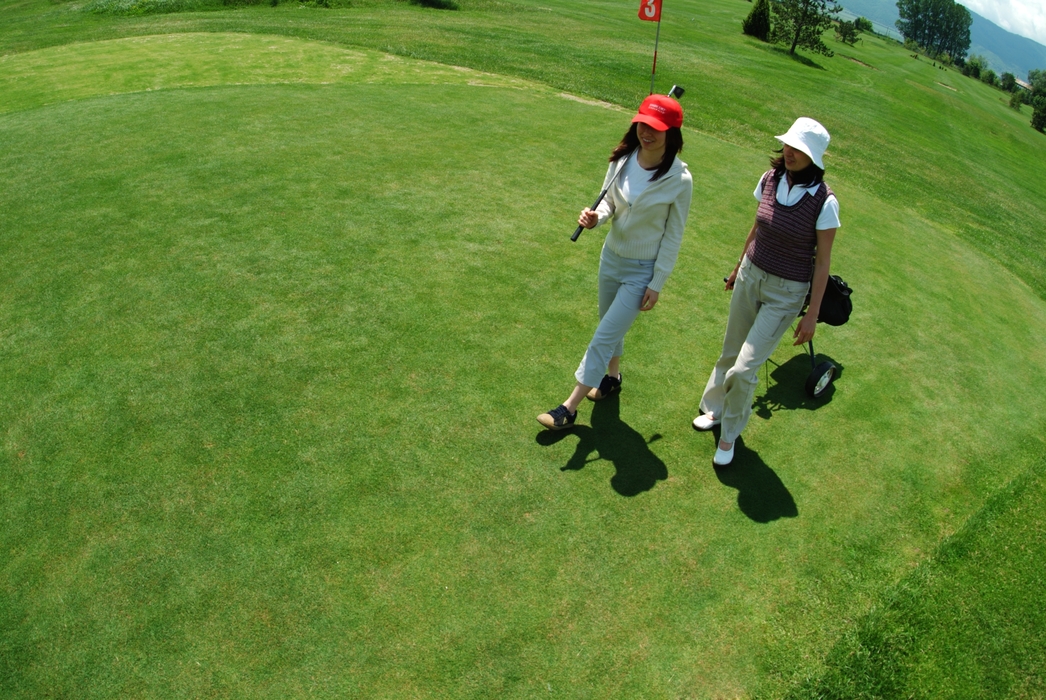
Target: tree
{"x": 1038, "y": 117}
{"x": 847, "y": 32}
{"x": 1016, "y": 101}
{"x": 988, "y": 76}
{"x": 864, "y": 24}
{"x": 1008, "y": 82}
{"x": 939, "y": 26}
{"x": 802, "y": 23}
{"x": 1037, "y": 80}
{"x": 757, "y": 23}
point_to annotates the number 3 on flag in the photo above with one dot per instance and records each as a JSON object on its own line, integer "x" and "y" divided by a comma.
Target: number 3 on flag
{"x": 650, "y": 10}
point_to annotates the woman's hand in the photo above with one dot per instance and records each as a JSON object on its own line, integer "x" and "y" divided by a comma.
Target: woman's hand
{"x": 804, "y": 332}
{"x": 822, "y": 265}
{"x": 730, "y": 280}
{"x": 649, "y": 299}
{"x": 588, "y": 218}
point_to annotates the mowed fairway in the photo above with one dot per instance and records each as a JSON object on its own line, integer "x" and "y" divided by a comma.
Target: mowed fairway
{"x": 272, "y": 341}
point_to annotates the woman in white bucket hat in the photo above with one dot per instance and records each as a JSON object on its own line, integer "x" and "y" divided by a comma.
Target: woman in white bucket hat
{"x": 795, "y": 223}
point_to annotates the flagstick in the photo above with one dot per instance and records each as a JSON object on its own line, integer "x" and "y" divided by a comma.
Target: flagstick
{"x": 653, "y": 71}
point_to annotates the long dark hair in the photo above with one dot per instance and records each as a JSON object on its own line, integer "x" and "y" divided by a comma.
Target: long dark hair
{"x": 630, "y": 142}
{"x": 810, "y": 175}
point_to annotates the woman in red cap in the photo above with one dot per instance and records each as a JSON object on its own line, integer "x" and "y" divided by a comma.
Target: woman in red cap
{"x": 647, "y": 205}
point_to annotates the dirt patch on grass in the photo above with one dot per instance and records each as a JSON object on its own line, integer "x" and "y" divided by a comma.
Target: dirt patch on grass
{"x": 851, "y": 58}
{"x": 595, "y": 103}
{"x": 946, "y": 86}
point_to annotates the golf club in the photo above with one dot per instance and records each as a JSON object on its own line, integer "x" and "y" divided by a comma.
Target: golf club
{"x": 676, "y": 92}
{"x": 620, "y": 167}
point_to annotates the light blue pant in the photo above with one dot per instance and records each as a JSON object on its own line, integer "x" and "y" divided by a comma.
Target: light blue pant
{"x": 762, "y": 307}
{"x": 622, "y": 284}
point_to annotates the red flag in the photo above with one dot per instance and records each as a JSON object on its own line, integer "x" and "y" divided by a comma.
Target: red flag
{"x": 650, "y": 10}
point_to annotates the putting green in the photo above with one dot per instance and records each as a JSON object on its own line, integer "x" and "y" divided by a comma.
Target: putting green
{"x": 147, "y": 63}
{"x": 271, "y": 355}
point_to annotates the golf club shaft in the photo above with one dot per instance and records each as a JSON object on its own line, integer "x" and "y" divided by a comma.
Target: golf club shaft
{"x": 580, "y": 228}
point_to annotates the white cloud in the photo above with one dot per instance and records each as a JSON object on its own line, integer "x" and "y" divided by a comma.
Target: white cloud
{"x": 1024, "y": 17}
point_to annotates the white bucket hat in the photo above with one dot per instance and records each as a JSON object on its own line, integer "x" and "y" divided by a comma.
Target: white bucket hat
{"x": 808, "y": 136}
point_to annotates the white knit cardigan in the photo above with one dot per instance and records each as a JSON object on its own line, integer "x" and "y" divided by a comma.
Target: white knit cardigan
{"x": 651, "y": 228}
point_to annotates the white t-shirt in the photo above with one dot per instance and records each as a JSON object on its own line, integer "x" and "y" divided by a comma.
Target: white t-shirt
{"x": 634, "y": 178}
{"x": 829, "y": 216}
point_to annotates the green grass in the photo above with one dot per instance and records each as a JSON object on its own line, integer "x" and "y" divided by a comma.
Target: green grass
{"x": 951, "y": 629}
{"x": 274, "y": 328}
{"x": 905, "y": 131}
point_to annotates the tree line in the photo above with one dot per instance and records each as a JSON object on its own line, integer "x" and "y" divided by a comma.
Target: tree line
{"x": 798, "y": 23}
{"x": 801, "y": 24}
{"x": 940, "y": 28}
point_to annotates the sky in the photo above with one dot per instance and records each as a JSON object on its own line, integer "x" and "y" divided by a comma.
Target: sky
{"x": 1024, "y": 17}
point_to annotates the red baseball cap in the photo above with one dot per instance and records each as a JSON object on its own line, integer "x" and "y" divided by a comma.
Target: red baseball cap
{"x": 660, "y": 112}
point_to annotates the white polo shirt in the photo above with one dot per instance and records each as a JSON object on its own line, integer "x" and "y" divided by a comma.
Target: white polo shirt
{"x": 829, "y": 216}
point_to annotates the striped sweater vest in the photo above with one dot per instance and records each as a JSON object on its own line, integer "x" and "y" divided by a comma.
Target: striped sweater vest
{"x": 786, "y": 239}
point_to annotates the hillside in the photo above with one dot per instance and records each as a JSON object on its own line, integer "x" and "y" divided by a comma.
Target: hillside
{"x": 1005, "y": 51}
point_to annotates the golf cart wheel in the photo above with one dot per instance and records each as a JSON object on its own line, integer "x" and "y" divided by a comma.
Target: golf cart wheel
{"x": 820, "y": 379}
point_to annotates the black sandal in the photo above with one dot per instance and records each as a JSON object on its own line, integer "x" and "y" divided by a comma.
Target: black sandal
{"x": 559, "y": 418}
{"x": 607, "y": 386}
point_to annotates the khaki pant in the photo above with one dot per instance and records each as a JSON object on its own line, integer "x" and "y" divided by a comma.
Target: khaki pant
{"x": 762, "y": 308}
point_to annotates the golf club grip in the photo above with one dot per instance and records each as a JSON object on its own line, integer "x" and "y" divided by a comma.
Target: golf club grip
{"x": 580, "y": 228}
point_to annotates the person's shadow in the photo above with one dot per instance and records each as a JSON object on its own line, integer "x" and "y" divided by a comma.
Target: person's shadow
{"x": 637, "y": 469}
{"x": 761, "y": 495}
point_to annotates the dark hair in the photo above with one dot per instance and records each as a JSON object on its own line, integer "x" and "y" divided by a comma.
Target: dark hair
{"x": 630, "y": 142}
{"x": 810, "y": 175}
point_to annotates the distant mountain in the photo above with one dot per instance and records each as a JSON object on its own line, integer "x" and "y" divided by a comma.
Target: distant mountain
{"x": 1005, "y": 51}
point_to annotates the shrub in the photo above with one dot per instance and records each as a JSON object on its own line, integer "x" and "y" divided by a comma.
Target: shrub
{"x": 974, "y": 66}
{"x": 1008, "y": 82}
{"x": 988, "y": 77}
{"x": 864, "y": 24}
{"x": 757, "y": 23}
{"x": 1016, "y": 101}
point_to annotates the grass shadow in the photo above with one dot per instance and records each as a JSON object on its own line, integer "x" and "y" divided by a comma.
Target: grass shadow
{"x": 798, "y": 58}
{"x": 637, "y": 469}
{"x": 761, "y": 495}
{"x": 787, "y": 391}
{"x": 436, "y": 4}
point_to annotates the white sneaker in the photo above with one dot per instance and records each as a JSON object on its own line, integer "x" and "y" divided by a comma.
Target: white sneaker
{"x": 705, "y": 422}
{"x": 723, "y": 457}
